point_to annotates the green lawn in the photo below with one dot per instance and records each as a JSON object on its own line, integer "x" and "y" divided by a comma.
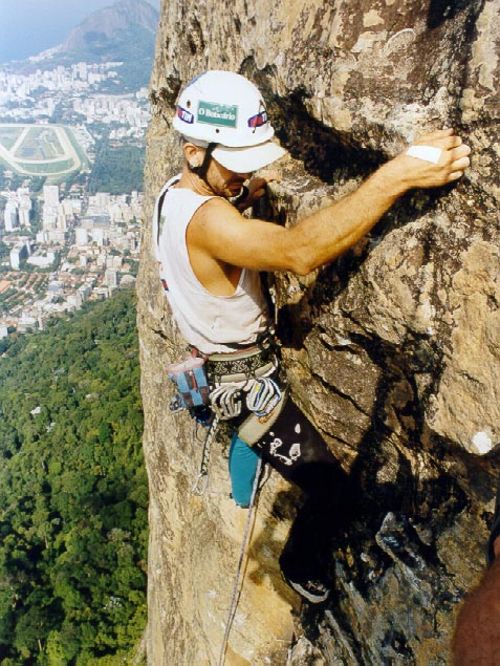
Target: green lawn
{"x": 41, "y": 143}
{"x": 9, "y": 135}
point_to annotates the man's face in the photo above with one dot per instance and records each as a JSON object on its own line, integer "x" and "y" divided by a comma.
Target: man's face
{"x": 223, "y": 182}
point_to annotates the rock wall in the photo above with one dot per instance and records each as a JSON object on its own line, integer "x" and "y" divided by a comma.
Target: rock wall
{"x": 392, "y": 350}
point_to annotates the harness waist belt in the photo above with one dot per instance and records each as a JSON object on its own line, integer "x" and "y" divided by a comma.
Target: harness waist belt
{"x": 239, "y": 366}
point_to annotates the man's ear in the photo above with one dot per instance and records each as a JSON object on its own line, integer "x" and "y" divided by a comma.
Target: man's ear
{"x": 193, "y": 154}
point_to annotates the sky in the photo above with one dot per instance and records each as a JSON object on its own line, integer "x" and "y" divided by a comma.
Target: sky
{"x": 30, "y": 26}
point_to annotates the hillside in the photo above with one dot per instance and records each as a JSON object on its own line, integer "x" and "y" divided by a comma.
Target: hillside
{"x": 123, "y": 32}
{"x": 125, "y": 28}
{"x": 73, "y": 491}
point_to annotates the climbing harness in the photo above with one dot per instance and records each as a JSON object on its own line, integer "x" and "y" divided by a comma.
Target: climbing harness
{"x": 221, "y": 387}
{"x": 240, "y": 569}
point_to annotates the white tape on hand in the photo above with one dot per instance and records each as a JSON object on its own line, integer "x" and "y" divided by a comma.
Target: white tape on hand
{"x": 427, "y": 153}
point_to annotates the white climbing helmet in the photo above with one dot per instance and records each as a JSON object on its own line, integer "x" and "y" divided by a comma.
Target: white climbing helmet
{"x": 226, "y": 109}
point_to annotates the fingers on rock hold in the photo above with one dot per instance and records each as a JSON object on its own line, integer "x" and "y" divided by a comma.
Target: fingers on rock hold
{"x": 438, "y": 134}
{"x": 449, "y": 142}
{"x": 461, "y": 163}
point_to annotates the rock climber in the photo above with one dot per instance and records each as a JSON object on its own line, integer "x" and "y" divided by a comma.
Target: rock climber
{"x": 210, "y": 256}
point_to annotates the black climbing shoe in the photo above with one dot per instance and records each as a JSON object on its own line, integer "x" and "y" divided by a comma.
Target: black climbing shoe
{"x": 313, "y": 590}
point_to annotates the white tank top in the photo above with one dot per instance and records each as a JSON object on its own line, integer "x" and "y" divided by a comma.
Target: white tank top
{"x": 208, "y": 322}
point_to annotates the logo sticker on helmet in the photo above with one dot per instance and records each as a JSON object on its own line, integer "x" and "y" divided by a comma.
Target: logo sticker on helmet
{"x": 223, "y": 115}
{"x": 184, "y": 115}
{"x": 258, "y": 120}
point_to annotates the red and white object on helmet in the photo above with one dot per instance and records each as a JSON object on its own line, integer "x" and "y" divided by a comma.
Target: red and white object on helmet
{"x": 226, "y": 109}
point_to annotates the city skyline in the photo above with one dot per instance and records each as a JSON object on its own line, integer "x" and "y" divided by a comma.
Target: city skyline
{"x": 69, "y": 210}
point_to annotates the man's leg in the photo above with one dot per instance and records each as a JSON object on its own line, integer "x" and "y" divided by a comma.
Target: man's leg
{"x": 243, "y": 466}
{"x": 299, "y": 453}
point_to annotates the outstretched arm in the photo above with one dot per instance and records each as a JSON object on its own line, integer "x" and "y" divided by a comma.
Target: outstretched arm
{"x": 219, "y": 229}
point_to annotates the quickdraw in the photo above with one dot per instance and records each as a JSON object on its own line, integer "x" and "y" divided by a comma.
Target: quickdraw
{"x": 201, "y": 484}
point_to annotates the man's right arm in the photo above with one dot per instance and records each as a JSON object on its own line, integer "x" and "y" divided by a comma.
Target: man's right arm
{"x": 225, "y": 235}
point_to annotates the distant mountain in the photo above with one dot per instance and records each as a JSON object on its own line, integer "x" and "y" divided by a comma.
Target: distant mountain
{"x": 128, "y": 25}
{"x": 123, "y": 32}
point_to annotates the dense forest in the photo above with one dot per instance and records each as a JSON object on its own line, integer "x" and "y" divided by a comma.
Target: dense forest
{"x": 73, "y": 492}
{"x": 117, "y": 168}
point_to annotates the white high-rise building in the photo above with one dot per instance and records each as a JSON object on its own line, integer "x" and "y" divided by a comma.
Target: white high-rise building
{"x": 114, "y": 262}
{"x": 116, "y": 212}
{"x": 111, "y": 278}
{"x": 51, "y": 195}
{"x": 75, "y": 301}
{"x": 103, "y": 199}
{"x": 49, "y": 221}
{"x": 42, "y": 261}
{"x": 72, "y": 207}
{"x": 17, "y": 254}
{"x": 11, "y": 216}
{"x": 82, "y": 70}
{"x": 56, "y": 236}
{"x": 15, "y": 258}
{"x": 82, "y": 236}
{"x": 24, "y": 210}
{"x": 62, "y": 224}
{"x": 98, "y": 236}
{"x": 50, "y": 207}
{"x": 85, "y": 290}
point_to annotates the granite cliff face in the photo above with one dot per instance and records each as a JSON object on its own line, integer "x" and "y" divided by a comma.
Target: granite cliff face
{"x": 392, "y": 351}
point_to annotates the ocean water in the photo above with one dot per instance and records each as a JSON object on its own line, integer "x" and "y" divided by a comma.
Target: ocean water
{"x": 30, "y": 26}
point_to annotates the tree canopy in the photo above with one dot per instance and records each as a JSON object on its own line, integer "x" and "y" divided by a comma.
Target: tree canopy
{"x": 73, "y": 491}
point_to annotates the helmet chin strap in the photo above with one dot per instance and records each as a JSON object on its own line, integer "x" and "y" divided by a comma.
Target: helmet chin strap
{"x": 201, "y": 170}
